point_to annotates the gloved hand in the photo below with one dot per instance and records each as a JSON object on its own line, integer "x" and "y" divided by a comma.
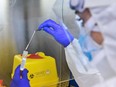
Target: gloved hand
{"x": 61, "y": 35}
{"x": 18, "y": 81}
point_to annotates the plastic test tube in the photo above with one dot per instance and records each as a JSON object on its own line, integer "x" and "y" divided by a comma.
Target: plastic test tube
{"x": 25, "y": 53}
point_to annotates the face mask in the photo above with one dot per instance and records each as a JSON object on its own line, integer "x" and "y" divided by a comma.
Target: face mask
{"x": 88, "y": 45}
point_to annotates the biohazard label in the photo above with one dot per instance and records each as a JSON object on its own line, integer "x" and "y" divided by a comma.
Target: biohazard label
{"x": 40, "y": 74}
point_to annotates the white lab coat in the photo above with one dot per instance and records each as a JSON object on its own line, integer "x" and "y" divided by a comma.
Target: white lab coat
{"x": 105, "y": 59}
{"x": 84, "y": 78}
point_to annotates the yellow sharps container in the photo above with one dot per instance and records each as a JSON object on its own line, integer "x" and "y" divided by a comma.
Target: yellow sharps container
{"x": 42, "y": 69}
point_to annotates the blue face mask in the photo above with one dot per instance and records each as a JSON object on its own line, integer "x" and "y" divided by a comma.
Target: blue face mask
{"x": 86, "y": 42}
{"x": 82, "y": 41}
{"x": 87, "y": 53}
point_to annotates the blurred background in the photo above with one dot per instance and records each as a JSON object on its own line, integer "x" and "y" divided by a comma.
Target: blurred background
{"x": 18, "y": 20}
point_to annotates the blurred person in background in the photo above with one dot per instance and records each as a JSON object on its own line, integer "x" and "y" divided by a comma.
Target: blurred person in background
{"x": 97, "y": 32}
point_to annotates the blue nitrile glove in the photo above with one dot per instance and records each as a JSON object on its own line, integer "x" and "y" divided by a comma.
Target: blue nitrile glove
{"x": 60, "y": 34}
{"x": 17, "y": 81}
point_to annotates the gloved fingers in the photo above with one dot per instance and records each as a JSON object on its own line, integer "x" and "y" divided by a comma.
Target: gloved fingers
{"x": 49, "y": 23}
{"x": 24, "y": 74}
{"x": 48, "y": 30}
{"x": 17, "y": 73}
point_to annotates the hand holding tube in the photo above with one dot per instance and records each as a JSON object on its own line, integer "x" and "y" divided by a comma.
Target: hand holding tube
{"x": 20, "y": 81}
{"x": 60, "y": 34}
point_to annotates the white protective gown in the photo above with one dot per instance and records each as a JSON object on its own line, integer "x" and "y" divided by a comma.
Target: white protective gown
{"x": 104, "y": 59}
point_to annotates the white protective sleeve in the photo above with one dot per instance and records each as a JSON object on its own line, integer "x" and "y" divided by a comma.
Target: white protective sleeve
{"x": 84, "y": 78}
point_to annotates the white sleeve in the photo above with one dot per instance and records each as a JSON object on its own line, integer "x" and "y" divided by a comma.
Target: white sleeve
{"x": 84, "y": 76}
